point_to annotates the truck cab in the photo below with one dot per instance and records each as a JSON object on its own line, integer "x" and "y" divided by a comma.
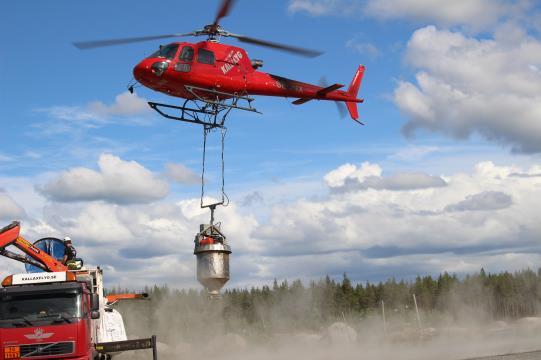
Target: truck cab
{"x": 57, "y": 310}
{"x": 46, "y": 316}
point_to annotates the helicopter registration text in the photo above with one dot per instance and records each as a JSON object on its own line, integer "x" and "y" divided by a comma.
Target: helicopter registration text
{"x": 231, "y": 60}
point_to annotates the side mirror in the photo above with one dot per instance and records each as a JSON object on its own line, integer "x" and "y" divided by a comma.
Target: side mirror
{"x": 95, "y": 303}
{"x": 94, "y": 315}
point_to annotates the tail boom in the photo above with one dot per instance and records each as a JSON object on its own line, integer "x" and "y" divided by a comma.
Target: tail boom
{"x": 311, "y": 92}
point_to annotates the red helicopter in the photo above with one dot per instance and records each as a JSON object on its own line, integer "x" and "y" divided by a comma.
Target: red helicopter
{"x": 218, "y": 77}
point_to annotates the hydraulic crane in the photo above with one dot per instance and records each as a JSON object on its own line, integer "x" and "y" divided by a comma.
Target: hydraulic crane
{"x": 10, "y": 235}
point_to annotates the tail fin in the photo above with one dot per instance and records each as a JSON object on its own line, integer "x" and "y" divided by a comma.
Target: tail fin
{"x": 353, "y": 91}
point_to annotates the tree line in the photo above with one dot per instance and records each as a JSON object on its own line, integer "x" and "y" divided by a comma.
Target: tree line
{"x": 286, "y": 305}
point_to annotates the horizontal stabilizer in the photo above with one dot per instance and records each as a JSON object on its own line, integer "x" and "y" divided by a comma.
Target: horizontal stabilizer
{"x": 328, "y": 89}
{"x": 300, "y": 101}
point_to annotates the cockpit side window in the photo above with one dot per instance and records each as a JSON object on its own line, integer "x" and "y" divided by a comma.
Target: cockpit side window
{"x": 205, "y": 57}
{"x": 186, "y": 54}
{"x": 167, "y": 52}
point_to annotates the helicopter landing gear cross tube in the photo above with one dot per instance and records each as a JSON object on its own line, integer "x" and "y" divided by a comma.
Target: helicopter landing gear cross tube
{"x": 204, "y": 110}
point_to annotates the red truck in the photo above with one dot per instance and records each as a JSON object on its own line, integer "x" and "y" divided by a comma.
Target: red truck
{"x": 60, "y": 313}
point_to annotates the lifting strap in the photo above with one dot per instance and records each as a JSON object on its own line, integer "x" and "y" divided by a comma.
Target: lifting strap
{"x": 224, "y": 198}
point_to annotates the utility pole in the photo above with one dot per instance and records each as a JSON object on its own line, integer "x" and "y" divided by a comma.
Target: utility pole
{"x": 383, "y": 315}
{"x": 417, "y": 312}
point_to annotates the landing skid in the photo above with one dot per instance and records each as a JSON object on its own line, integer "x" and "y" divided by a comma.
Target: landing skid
{"x": 210, "y": 111}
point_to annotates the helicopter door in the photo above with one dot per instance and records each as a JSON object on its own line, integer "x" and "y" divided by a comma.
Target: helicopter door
{"x": 185, "y": 58}
{"x": 206, "y": 57}
{"x": 186, "y": 54}
{"x": 232, "y": 72}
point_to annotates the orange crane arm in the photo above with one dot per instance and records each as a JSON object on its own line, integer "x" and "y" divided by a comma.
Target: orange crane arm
{"x": 9, "y": 235}
{"x": 113, "y": 298}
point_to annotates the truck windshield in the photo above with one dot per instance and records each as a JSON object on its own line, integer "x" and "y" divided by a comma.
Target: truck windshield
{"x": 39, "y": 309}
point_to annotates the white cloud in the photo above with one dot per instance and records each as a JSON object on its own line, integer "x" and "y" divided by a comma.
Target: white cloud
{"x": 468, "y": 86}
{"x": 487, "y": 200}
{"x": 9, "y": 209}
{"x": 5, "y": 158}
{"x": 141, "y": 245}
{"x": 486, "y": 217}
{"x": 348, "y": 178}
{"x": 32, "y": 155}
{"x": 22, "y": 190}
{"x": 96, "y": 113}
{"x": 472, "y": 14}
{"x": 73, "y": 113}
{"x": 126, "y": 104}
{"x": 181, "y": 174}
{"x": 253, "y": 198}
{"x": 418, "y": 264}
{"x": 325, "y": 7}
{"x": 117, "y": 181}
{"x": 383, "y": 227}
{"x": 475, "y": 13}
{"x": 398, "y": 181}
{"x": 533, "y": 171}
{"x": 414, "y": 152}
{"x": 338, "y": 176}
{"x": 363, "y": 47}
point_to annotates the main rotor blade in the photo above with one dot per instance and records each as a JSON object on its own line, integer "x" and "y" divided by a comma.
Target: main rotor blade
{"x": 85, "y": 45}
{"x": 288, "y": 48}
{"x": 224, "y": 10}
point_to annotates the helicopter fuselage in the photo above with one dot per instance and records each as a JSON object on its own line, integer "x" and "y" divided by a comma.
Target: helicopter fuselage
{"x": 227, "y": 69}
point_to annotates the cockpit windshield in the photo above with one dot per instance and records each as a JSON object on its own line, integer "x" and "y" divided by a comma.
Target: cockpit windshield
{"x": 34, "y": 310}
{"x": 167, "y": 52}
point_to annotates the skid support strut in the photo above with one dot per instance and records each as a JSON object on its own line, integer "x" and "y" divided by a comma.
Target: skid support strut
{"x": 208, "y": 107}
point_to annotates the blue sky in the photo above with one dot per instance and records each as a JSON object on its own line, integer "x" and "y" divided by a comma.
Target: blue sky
{"x": 452, "y": 93}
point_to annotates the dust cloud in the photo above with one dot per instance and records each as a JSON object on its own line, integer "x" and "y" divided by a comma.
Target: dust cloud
{"x": 189, "y": 325}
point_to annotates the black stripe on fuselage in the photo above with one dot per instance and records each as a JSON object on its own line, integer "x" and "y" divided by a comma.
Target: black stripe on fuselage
{"x": 286, "y": 83}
